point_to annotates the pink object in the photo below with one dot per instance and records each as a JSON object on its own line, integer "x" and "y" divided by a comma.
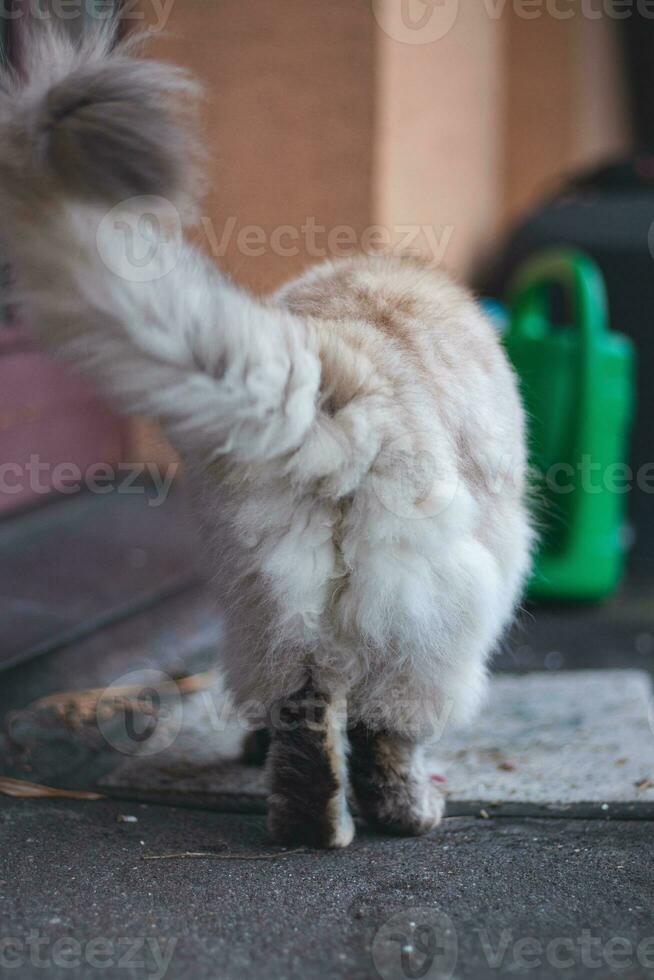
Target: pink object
{"x": 436, "y": 778}
{"x": 48, "y": 418}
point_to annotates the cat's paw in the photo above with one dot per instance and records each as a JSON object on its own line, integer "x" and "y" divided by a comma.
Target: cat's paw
{"x": 406, "y": 808}
{"x": 343, "y": 831}
{"x": 429, "y": 807}
{"x": 332, "y": 828}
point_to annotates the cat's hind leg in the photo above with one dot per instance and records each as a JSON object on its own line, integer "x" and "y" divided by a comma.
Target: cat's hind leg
{"x": 307, "y": 767}
{"x": 392, "y": 787}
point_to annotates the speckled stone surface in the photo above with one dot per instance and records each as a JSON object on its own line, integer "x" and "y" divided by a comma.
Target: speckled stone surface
{"x": 523, "y": 899}
{"x": 569, "y": 738}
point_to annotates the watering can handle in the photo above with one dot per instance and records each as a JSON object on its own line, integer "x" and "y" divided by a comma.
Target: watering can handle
{"x": 583, "y": 284}
{"x": 584, "y": 287}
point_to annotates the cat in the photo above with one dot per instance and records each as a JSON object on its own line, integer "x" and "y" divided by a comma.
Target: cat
{"x": 355, "y": 443}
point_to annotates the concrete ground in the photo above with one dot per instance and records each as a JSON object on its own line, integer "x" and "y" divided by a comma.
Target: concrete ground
{"x": 489, "y": 898}
{"x": 117, "y": 888}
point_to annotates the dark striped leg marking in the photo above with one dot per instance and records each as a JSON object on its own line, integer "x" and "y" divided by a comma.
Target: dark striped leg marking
{"x": 307, "y": 770}
{"x": 255, "y": 747}
{"x": 391, "y": 786}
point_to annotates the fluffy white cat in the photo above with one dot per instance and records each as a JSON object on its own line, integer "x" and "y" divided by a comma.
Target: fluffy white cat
{"x": 355, "y": 442}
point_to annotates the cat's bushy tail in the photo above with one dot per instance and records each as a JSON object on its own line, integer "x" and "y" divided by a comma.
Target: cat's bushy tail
{"x": 87, "y": 119}
{"x": 98, "y": 174}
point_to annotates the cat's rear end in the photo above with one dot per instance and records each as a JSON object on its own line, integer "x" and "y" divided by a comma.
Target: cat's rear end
{"x": 355, "y": 443}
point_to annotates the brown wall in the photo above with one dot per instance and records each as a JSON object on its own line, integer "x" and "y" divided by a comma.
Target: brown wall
{"x": 289, "y": 117}
{"x": 438, "y": 143}
{"x": 565, "y": 103}
{"x": 315, "y": 112}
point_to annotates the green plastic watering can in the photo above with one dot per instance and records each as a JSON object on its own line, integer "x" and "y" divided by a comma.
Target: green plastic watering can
{"x": 578, "y": 387}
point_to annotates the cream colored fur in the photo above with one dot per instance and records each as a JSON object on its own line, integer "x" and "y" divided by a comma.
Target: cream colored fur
{"x": 355, "y": 443}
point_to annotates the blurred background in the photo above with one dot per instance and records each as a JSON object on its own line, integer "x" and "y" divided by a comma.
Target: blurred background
{"x": 480, "y": 134}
